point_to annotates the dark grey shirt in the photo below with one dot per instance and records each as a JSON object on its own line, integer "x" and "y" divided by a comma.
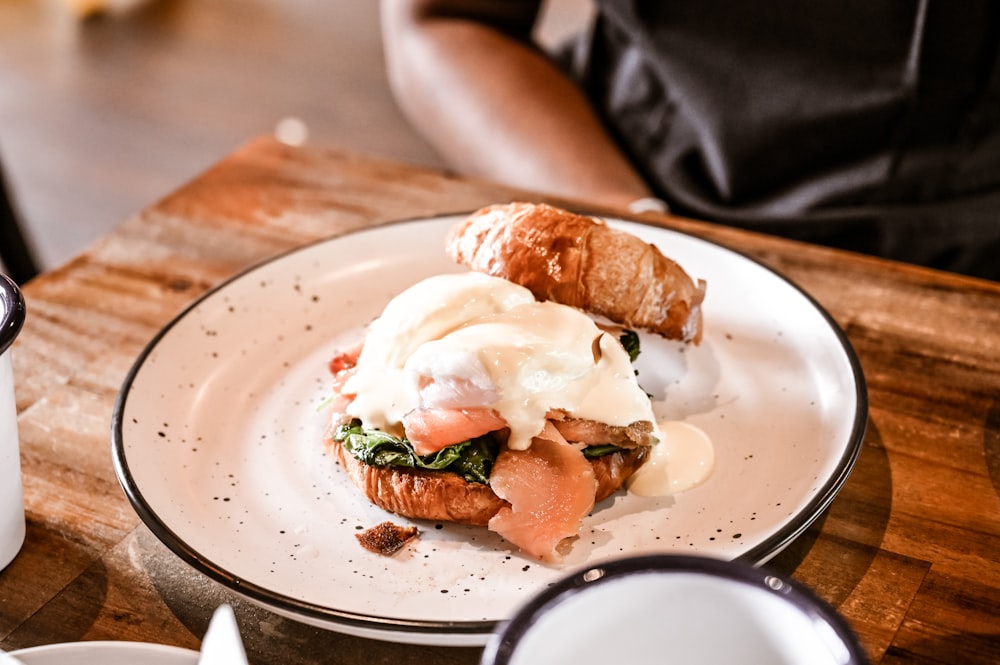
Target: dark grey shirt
{"x": 871, "y": 125}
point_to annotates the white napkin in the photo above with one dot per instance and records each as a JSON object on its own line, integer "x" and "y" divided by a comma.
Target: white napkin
{"x": 222, "y": 644}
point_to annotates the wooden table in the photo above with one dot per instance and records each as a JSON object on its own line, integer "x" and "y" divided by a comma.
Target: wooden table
{"x": 909, "y": 552}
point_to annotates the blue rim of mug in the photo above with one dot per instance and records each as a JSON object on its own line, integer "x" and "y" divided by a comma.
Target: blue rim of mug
{"x": 503, "y": 643}
{"x": 13, "y": 311}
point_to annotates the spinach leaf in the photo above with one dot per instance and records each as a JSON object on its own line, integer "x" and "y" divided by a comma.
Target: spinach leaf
{"x": 630, "y": 340}
{"x": 600, "y": 450}
{"x": 472, "y": 460}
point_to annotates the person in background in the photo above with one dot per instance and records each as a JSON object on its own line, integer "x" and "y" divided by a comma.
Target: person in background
{"x": 869, "y": 125}
{"x": 17, "y": 257}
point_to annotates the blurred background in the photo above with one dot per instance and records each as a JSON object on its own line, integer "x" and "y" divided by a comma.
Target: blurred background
{"x": 108, "y": 105}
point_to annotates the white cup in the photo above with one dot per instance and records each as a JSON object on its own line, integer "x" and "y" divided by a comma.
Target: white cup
{"x": 662, "y": 609}
{"x": 12, "y": 524}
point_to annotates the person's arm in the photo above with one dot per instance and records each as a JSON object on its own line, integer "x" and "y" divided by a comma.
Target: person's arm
{"x": 469, "y": 78}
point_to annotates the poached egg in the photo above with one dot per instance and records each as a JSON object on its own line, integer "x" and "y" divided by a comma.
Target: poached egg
{"x": 470, "y": 340}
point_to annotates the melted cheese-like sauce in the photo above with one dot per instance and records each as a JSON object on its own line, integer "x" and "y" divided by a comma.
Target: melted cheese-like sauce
{"x": 682, "y": 459}
{"x": 470, "y": 340}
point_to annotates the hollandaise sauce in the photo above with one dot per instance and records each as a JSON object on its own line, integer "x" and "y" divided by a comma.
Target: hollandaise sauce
{"x": 463, "y": 341}
{"x": 683, "y": 458}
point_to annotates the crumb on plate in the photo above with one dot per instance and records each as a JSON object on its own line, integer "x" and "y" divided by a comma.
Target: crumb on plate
{"x": 386, "y": 538}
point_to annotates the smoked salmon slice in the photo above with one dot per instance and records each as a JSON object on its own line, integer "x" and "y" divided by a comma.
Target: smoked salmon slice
{"x": 430, "y": 430}
{"x": 345, "y": 359}
{"x": 550, "y": 488}
{"x": 342, "y": 366}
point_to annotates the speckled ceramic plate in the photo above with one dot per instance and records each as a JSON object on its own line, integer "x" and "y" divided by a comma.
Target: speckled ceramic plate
{"x": 106, "y": 653}
{"x": 217, "y": 439}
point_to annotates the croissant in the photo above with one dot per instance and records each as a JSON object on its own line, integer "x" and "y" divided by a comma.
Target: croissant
{"x": 434, "y": 495}
{"x": 582, "y": 262}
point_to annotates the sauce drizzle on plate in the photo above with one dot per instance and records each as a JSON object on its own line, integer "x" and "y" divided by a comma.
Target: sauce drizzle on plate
{"x": 684, "y": 458}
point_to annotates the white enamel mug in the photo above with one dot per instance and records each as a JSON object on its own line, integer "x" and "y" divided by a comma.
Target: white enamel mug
{"x": 12, "y": 525}
{"x": 665, "y": 609}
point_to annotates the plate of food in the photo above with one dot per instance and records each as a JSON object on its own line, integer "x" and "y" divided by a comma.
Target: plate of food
{"x": 615, "y": 389}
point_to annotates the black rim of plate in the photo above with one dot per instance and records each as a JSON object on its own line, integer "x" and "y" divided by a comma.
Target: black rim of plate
{"x": 503, "y": 642}
{"x": 312, "y": 612}
{"x": 13, "y": 312}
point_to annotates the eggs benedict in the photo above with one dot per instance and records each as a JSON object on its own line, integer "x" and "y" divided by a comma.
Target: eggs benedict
{"x": 470, "y": 400}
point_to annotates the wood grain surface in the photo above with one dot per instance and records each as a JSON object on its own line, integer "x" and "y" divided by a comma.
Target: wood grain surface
{"x": 909, "y": 552}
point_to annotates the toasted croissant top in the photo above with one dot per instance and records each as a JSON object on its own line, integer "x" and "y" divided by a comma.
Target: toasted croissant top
{"x": 581, "y": 262}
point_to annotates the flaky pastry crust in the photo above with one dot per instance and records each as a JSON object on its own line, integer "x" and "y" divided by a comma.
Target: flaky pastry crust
{"x": 582, "y": 262}
{"x": 447, "y": 497}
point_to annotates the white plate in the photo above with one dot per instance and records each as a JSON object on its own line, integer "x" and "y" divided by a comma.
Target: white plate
{"x": 216, "y": 439}
{"x": 106, "y": 653}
